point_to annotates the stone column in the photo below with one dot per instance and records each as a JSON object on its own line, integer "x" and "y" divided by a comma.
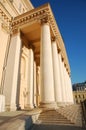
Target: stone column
{"x": 68, "y": 88}
{"x": 62, "y": 79}
{"x": 31, "y": 79}
{"x": 66, "y": 85}
{"x": 12, "y": 72}
{"x": 71, "y": 91}
{"x": 35, "y": 89}
{"x": 38, "y": 99}
{"x": 57, "y": 82}
{"x": 68, "y": 92}
{"x": 46, "y": 66}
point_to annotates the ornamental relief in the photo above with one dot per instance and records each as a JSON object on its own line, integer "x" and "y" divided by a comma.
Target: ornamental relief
{"x": 5, "y": 20}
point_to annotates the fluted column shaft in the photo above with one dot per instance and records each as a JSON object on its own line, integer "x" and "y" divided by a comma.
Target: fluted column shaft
{"x": 47, "y": 84}
{"x": 57, "y": 83}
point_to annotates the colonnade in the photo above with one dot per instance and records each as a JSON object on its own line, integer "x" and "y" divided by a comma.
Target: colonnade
{"x": 50, "y": 79}
{"x": 56, "y": 88}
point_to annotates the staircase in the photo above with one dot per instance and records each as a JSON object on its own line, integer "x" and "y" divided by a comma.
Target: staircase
{"x": 72, "y": 113}
{"x": 69, "y": 115}
{"x": 52, "y": 117}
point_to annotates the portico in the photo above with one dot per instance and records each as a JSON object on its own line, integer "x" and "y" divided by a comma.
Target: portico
{"x": 37, "y": 64}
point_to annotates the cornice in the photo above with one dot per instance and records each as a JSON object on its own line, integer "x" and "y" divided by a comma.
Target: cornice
{"x": 44, "y": 14}
{"x": 5, "y": 18}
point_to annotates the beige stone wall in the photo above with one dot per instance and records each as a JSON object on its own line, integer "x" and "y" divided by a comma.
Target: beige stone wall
{"x": 79, "y": 96}
{"x": 17, "y": 6}
{"x": 3, "y": 45}
{"x": 21, "y": 6}
{"x": 9, "y": 8}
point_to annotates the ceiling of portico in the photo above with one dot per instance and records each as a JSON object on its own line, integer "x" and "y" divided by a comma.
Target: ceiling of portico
{"x": 32, "y": 33}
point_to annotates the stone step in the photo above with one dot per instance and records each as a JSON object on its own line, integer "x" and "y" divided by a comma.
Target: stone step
{"x": 60, "y": 116}
{"x": 73, "y": 113}
{"x": 64, "y": 115}
{"x": 54, "y": 122}
{"x": 54, "y": 119}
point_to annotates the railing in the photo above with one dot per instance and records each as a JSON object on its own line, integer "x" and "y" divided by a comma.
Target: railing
{"x": 83, "y": 105}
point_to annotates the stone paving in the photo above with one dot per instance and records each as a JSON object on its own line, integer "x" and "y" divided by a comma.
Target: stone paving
{"x": 7, "y": 116}
{"x": 22, "y": 120}
{"x": 56, "y": 127}
{"x": 17, "y": 120}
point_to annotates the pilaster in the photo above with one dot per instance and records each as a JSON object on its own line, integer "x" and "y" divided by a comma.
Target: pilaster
{"x": 12, "y": 72}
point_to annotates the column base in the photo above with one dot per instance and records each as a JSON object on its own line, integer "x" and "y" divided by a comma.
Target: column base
{"x": 28, "y": 107}
{"x": 11, "y": 107}
{"x": 61, "y": 104}
{"x": 2, "y": 103}
{"x": 69, "y": 103}
{"x": 50, "y": 105}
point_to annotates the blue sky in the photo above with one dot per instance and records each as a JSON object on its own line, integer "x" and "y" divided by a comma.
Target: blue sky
{"x": 71, "y": 19}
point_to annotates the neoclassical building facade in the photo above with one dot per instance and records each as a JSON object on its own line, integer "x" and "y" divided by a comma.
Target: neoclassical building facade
{"x": 34, "y": 68}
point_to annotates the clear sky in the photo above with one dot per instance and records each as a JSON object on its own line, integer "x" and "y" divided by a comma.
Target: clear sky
{"x": 71, "y": 19}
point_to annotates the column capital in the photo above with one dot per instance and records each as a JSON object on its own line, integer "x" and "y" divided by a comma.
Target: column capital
{"x": 59, "y": 51}
{"x": 31, "y": 47}
{"x": 44, "y": 20}
{"x": 62, "y": 58}
{"x": 54, "y": 38}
